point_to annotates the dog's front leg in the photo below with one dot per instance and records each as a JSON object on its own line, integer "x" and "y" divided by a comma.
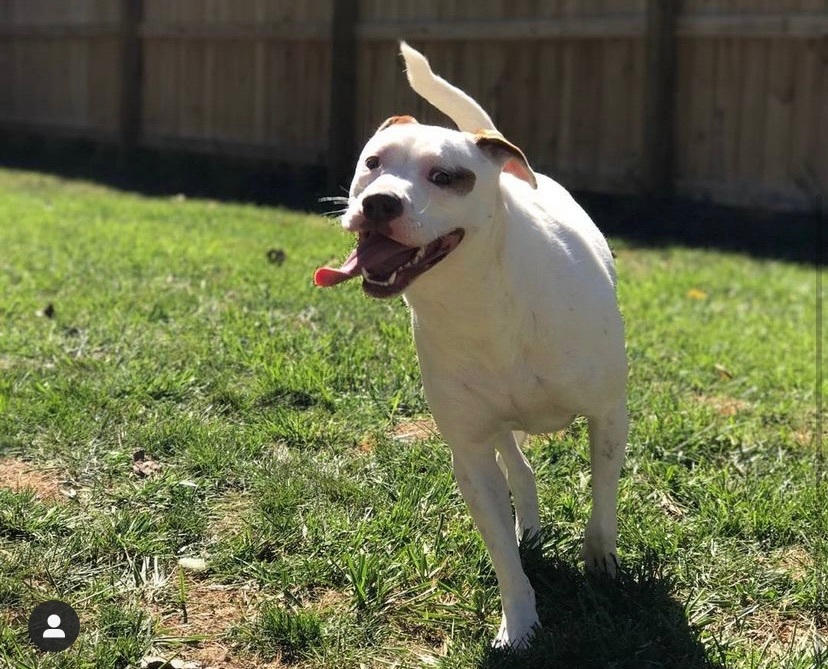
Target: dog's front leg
{"x": 486, "y": 492}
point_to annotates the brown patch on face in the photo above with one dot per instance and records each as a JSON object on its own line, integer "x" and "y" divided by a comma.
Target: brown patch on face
{"x": 15, "y": 474}
{"x": 394, "y": 120}
{"x": 463, "y": 182}
{"x": 510, "y": 156}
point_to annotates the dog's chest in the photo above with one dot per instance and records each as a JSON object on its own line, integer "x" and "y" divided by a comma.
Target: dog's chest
{"x": 522, "y": 397}
{"x": 515, "y": 384}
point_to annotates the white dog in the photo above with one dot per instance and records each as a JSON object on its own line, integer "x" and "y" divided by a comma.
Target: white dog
{"x": 512, "y": 295}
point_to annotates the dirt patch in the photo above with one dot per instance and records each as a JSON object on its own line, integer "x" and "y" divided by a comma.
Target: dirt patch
{"x": 211, "y": 610}
{"x": 779, "y": 633}
{"x": 17, "y": 475}
{"x": 367, "y": 444}
{"x": 804, "y": 437}
{"x": 228, "y": 516}
{"x": 724, "y": 406}
{"x": 216, "y": 656}
{"x": 794, "y": 561}
{"x": 415, "y": 429}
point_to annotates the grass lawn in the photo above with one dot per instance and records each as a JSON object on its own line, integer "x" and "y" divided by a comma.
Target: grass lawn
{"x": 169, "y": 390}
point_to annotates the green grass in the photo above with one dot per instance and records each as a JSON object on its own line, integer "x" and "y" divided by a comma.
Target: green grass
{"x": 268, "y": 413}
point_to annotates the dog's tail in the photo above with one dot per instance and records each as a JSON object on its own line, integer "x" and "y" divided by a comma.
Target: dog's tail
{"x": 454, "y": 103}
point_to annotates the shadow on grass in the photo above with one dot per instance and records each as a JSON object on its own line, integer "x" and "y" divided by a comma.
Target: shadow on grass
{"x": 639, "y": 221}
{"x": 163, "y": 173}
{"x": 632, "y": 623}
{"x": 654, "y": 223}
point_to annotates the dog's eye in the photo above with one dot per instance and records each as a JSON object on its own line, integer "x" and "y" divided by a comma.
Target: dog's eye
{"x": 441, "y": 178}
{"x": 372, "y": 162}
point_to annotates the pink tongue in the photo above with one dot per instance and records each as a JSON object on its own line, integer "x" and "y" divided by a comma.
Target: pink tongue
{"x": 330, "y": 276}
{"x": 377, "y": 253}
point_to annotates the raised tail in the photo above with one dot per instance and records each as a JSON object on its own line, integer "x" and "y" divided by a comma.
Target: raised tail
{"x": 454, "y": 103}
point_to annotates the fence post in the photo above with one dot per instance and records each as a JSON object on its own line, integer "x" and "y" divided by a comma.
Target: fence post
{"x": 342, "y": 124}
{"x": 660, "y": 95}
{"x": 132, "y": 14}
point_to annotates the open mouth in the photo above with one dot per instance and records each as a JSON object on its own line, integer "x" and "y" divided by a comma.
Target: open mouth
{"x": 387, "y": 267}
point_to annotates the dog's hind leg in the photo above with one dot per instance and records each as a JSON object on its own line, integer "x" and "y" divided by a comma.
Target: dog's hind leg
{"x": 608, "y": 441}
{"x": 521, "y": 479}
{"x": 486, "y": 492}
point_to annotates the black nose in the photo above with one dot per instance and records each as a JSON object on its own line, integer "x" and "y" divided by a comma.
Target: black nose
{"x": 382, "y": 208}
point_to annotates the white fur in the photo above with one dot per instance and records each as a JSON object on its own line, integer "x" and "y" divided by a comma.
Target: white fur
{"x": 517, "y": 329}
{"x": 454, "y": 103}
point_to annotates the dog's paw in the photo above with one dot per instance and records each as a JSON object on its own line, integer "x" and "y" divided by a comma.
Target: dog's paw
{"x": 599, "y": 552}
{"x": 605, "y": 564}
{"x": 517, "y": 632}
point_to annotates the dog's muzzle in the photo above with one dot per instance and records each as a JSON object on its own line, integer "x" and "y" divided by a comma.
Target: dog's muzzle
{"x": 387, "y": 267}
{"x": 381, "y": 208}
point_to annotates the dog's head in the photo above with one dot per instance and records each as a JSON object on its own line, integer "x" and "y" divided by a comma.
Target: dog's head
{"x": 417, "y": 192}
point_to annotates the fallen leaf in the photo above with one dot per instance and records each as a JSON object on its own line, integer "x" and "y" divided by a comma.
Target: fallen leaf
{"x": 143, "y": 466}
{"x": 276, "y": 256}
{"x": 669, "y": 505}
{"x": 724, "y": 372}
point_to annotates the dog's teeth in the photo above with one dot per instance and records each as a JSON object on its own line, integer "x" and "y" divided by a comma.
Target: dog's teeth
{"x": 417, "y": 258}
{"x": 421, "y": 251}
{"x": 378, "y": 282}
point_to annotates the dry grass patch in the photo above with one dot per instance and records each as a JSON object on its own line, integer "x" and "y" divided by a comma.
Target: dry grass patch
{"x": 794, "y": 561}
{"x": 780, "y": 635}
{"x": 723, "y": 405}
{"x": 201, "y": 626}
{"x": 17, "y": 475}
{"x": 200, "y": 631}
{"x": 415, "y": 429}
{"x": 228, "y": 515}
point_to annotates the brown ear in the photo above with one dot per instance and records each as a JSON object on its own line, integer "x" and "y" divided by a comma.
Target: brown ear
{"x": 394, "y": 120}
{"x": 502, "y": 151}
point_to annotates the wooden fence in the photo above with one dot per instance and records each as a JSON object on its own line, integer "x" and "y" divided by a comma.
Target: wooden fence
{"x": 715, "y": 99}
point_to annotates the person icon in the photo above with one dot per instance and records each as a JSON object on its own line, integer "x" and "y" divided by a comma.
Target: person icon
{"x": 53, "y": 626}
{"x": 54, "y": 631}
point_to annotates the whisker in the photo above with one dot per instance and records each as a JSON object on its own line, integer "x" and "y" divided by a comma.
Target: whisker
{"x": 334, "y": 213}
{"x": 336, "y": 199}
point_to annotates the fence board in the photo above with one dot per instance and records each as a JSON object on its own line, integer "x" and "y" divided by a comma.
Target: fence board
{"x": 779, "y": 117}
{"x": 820, "y": 168}
{"x": 61, "y": 65}
{"x": 254, "y": 75}
{"x": 754, "y": 111}
{"x": 726, "y": 125}
{"x": 806, "y": 123}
